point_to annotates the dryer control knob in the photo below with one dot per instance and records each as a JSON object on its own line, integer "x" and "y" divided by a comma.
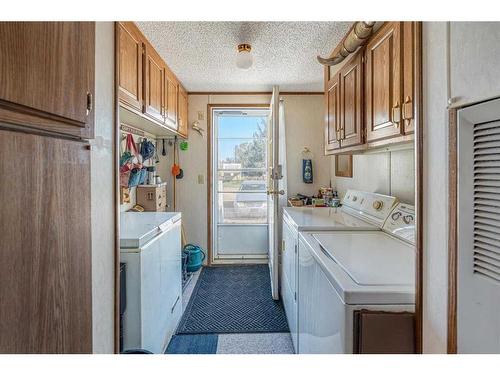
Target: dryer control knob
{"x": 377, "y": 205}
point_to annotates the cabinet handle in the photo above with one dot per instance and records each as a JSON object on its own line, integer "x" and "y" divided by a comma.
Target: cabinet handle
{"x": 407, "y": 114}
{"x": 89, "y": 103}
{"x": 396, "y": 115}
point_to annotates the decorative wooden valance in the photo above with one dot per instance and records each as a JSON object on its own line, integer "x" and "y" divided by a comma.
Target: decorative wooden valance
{"x": 356, "y": 37}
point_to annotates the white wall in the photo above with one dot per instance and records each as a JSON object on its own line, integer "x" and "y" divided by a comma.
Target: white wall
{"x": 102, "y": 193}
{"x": 435, "y": 188}
{"x": 474, "y": 62}
{"x": 390, "y": 173}
{"x": 304, "y": 127}
{"x": 304, "y": 119}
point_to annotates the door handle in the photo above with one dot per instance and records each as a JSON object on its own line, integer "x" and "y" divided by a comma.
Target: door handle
{"x": 407, "y": 113}
{"x": 175, "y": 304}
{"x": 396, "y": 115}
{"x": 275, "y": 192}
{"x": 90, "y": 103}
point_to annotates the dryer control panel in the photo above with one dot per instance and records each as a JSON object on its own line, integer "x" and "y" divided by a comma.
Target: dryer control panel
{"x": 401, "y": 222}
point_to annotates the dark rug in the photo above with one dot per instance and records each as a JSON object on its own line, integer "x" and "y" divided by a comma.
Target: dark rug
{"x": 192, "y": 344}
{"x": 233, "y": 299}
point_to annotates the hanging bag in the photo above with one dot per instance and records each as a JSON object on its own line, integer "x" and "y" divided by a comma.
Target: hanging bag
{"x": 147, "y": 149}
{"x": 128, "y": 161}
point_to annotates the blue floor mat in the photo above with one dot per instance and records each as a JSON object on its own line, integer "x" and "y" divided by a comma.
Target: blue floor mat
{"x": 233, "y": 299}
{"x": 192, "y": 344}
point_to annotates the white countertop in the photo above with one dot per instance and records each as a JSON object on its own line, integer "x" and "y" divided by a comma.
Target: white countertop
{"x": 324, "y": 218}
{"x": 137, "y": 228}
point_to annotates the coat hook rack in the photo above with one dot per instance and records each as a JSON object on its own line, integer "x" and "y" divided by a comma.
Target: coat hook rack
{"x": 196, "y": 126}
{"x": 306, "y": 152}
{"x": 129, "y": 129}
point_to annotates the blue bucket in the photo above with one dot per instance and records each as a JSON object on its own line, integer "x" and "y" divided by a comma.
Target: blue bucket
{"x": 195, "y": 257}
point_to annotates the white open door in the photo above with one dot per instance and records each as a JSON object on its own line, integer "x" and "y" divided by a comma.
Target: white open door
{"x": 274, "y": 175}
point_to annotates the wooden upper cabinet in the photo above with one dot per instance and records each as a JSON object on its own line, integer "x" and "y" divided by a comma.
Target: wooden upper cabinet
{"x": 332, "y": 114}
{"x": 383, "y": 83}
{"x": 351, "y": 102}
{"x": 154, "y": 89}
{"x": 47, "y": 76}
{"x": 130, "y": 51}
{"x": 182, "y": 118}
{"x": 172, "y": 92}
{"x": 146, "y": 85}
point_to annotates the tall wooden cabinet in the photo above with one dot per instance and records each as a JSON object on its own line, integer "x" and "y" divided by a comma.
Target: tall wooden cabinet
{"x": 47, "y": 76}
{"x": 46, "y": 116}
{"x": 146, "y": 85}
{"x": 372, "y": 99}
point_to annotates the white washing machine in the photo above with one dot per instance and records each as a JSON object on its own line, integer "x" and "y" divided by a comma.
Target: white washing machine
{"x": 340, "y": 272}
{"x": 360, "y": 211}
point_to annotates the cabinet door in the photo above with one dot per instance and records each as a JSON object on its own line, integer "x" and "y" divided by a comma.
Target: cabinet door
{"x": 183, "y": 112}
{"x": 351, "y": 99}
{"x": 47, "y": 76}
{"x": 130, "y": 49}
{"x": 383, "y": 81}
{"x": 332, "y": 115}
{"x": 45, "y": 251}
{"x": 154, "y": 78}
{"x": 410, "y": 44}
{"x": 172, "y": 90}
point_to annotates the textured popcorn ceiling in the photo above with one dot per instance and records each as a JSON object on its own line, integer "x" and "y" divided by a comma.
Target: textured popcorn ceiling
{"x": 202, "y": 54}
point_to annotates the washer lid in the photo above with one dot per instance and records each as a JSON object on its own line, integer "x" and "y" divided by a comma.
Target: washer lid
{"x": 324, "y": 218}
{"x": 370, "y": 258}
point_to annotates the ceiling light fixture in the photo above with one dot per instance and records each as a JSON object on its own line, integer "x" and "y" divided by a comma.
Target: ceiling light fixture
{"x": 244, "y": 59}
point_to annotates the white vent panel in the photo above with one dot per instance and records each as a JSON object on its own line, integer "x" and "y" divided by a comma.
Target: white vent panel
{"x": 487, "y": 200}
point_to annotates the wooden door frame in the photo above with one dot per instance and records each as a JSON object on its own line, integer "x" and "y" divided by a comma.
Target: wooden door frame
{"x": 419, "y": 190}
{"x": 116, "y": 187}
{"x": 210, "y": 140}
{"x": 452, "y": 230}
